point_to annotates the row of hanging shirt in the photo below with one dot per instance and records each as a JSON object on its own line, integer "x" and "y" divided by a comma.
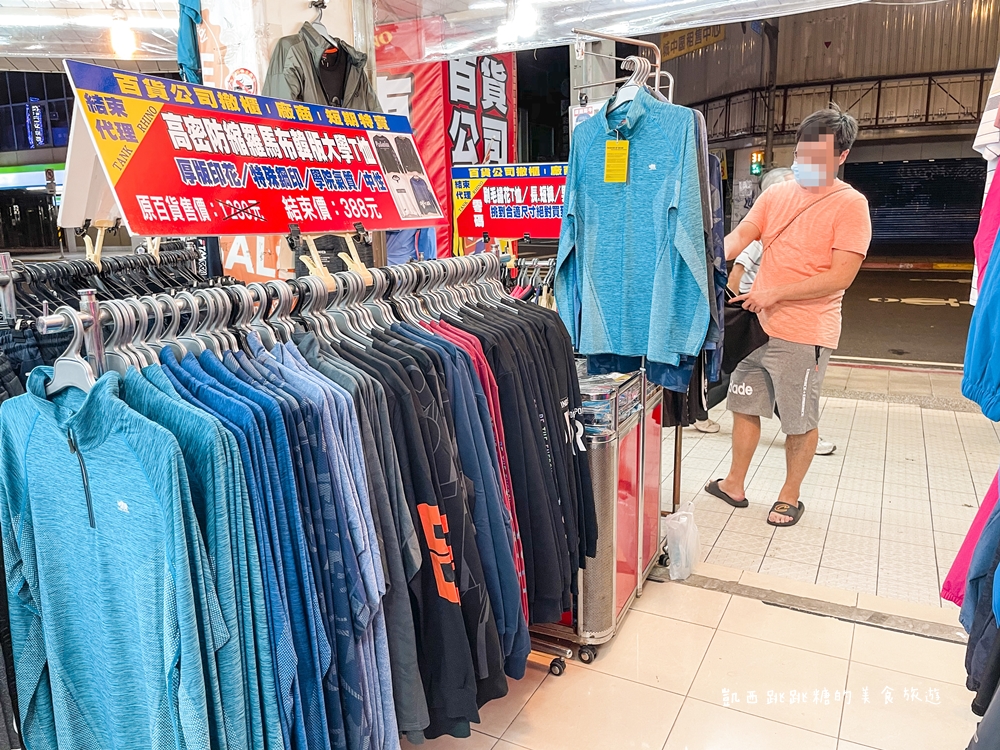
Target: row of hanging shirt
{"x": 320, "y": 539}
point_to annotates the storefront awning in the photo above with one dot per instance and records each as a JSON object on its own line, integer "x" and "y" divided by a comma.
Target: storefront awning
{"x": 447, "y": 29}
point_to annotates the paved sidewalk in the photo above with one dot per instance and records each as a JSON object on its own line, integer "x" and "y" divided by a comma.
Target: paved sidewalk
{"x": 886, "y": 514}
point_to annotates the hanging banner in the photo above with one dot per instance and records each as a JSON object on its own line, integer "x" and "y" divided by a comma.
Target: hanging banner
{"x": 415, "y": 92}
{"x": 509, "y": 201}
{"x": 463, "y": 112}
{"x": 192, "y": 160}
{"x": 677, "y": 43}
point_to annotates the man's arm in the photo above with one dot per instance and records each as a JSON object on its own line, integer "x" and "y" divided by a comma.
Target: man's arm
{"x": 735, "y": 276}
{"x": 745, "y": 233}
{"x": 840, "y": 276}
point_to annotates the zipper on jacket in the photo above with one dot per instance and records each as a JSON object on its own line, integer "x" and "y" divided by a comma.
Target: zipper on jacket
{"x": 83, "y": 475}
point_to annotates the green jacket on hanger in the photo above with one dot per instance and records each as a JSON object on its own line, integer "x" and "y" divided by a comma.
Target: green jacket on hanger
{"x": 293, "y": 72}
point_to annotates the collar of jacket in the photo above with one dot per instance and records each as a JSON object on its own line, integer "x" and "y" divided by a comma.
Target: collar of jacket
{"x": 92, "y": 416}
{"x": 634, "y": 112}
{"x": 317, "y": 44}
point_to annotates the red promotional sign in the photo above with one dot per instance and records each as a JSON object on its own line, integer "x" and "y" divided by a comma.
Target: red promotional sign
{"x": 192, "y": 160}
{"x": 509, "y": 201}
{"x": 463, "y": 112}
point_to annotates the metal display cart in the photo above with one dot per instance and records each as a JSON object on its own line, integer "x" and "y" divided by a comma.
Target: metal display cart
{"x": 622, "y": 435}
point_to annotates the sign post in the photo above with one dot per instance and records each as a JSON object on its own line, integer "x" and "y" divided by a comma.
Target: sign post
{"x": 188, "y": 160}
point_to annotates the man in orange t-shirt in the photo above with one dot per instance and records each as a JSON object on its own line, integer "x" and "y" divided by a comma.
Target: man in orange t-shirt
{"x": 815, "y": 231}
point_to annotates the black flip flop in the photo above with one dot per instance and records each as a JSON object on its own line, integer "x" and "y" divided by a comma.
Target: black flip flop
{"x": 713, "y": 488}
{"x": 795, "y": 511}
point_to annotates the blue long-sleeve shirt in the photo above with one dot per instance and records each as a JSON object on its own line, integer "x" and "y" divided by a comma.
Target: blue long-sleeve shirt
{"x": 102, "y": 606}
{"x": 631, "y": 273}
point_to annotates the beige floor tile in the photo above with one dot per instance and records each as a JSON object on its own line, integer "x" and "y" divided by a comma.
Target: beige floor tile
{"x": 686, "y": 603}
{"x": 905, "y": 724}
{"x": 798, "y": 571}
{"x": 909, "y": 609}
{"x": 823, "y": 635}
{"x": 496, "y": 716}
{"x": 585, "y": 708}
{"x": 796, "y": 551}
{"x": 477, "y": 741}
{"x": 796, "y": 588}
{"x": 718, "y": 572}
{"x": 656, "y": 651}
{"x": 845, "y": 579}
{"x": 735, "y": 665}
{"x": 842, "y": 745}
{"x": 734, "y": 558}
{"x": 912, "y": 654}
{"x": 704, "y": 726}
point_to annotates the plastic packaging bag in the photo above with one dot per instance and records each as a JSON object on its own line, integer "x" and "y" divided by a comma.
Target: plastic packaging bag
{"x": 683, "y": 546}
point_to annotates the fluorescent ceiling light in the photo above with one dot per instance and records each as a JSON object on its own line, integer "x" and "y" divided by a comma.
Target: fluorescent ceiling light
{"x": 90, "y": 20}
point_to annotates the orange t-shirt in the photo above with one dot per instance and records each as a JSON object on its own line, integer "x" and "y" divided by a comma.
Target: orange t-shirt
{"x": 804, "y": 249}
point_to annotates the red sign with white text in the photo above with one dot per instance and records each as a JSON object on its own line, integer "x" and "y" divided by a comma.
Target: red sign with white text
{"x": 192, "y": 160}
{"x": 509, "y": 201}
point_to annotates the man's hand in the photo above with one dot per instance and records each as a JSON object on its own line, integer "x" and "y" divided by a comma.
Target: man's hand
{"x": 758, "y": 300}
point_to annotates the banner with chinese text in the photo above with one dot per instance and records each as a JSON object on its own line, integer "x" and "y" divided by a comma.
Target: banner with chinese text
{"x": 415, "y": 92}
{"x": 192, "y": 160}
{"x": 676, "y": 43}
{"x": 509, "y": 201}
{"x": 463, "y": 112}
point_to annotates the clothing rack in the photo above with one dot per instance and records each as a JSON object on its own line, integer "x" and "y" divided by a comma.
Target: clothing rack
{"x": 25, "y": 288}
{"x": 657, "y": 74}
{"x": 265, "y": 308}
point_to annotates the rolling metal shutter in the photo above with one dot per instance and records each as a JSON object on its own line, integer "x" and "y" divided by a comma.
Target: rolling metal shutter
{"x": 922, "y": 201}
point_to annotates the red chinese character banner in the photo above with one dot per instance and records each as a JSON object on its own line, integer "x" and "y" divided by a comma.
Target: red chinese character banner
{"x": 192, "y": 160}
{"x": 463, "y": 112}
{"x": 509, "y": 201}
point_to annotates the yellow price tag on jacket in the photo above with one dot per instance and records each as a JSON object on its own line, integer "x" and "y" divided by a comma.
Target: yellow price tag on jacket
{"x": 616, "y": 161}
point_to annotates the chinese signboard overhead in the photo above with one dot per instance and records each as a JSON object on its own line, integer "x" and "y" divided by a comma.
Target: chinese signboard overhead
{"x": 192, "y": 160}
{"x": 676, "y": 43}
{"x": 463, "y": 112}
{"x": 509, "y": 201}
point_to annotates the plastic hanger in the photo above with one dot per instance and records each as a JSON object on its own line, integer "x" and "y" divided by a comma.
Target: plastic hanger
{"x": 186, "y": 337}
{"x": 258, "y": 323}
{"x": 169, "y": 336}
{"x": 70, "y": 369}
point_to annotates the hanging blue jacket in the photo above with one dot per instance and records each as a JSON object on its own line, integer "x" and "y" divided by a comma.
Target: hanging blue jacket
{"x": 631, "y": 273}
{"x": 102, "y": 607}
{"x": 981, "y": 379}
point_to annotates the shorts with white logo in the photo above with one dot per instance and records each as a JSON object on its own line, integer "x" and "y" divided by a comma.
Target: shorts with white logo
{"x": 783, "y": 373}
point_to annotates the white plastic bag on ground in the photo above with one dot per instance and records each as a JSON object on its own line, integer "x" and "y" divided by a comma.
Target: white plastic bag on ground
{"x": 683, "y": 546}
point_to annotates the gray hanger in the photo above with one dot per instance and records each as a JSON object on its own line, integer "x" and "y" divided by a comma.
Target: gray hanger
{"x": 141, "y": 314}
{"x": 258, "y": 323}
{"x": 170, "y": 334}
{"x": 70, "y": 369}
{"x": 186, "y": 336}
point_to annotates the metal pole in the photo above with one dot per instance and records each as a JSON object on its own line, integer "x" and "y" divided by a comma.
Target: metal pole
{"x": 678, "y": 437}
{"x": 771, "y": 32}
{"x": 93, "y": 334}
{"x": 642, "y": 476}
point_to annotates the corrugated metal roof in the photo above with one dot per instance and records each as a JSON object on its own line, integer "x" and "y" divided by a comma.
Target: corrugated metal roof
{"x": 864, "y": 41}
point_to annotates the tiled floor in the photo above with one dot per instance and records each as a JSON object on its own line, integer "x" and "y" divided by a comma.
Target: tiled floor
{"x": 694, "y": 669}
{"x": 885, "y": 514}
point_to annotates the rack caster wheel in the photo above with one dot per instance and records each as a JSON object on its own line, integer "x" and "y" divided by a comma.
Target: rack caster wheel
{"x": 587, "y": 654}
{"x": 664, "y": 559}
{"x": 557, "y": 666}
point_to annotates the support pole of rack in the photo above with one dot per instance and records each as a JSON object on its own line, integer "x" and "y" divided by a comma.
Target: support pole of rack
{"x": 678, "y": 437}
{"x": 8, "y": 302}
{"x": 641, "y": 495}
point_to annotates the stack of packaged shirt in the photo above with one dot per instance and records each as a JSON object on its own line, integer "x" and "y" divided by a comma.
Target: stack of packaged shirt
{"x": 322, "y": 545}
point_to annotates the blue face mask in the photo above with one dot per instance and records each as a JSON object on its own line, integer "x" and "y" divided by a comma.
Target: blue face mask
{"x": 809, "y": 175}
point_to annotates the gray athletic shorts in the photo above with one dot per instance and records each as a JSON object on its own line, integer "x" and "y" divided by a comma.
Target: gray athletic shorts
{"x": 783, "y": 373}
